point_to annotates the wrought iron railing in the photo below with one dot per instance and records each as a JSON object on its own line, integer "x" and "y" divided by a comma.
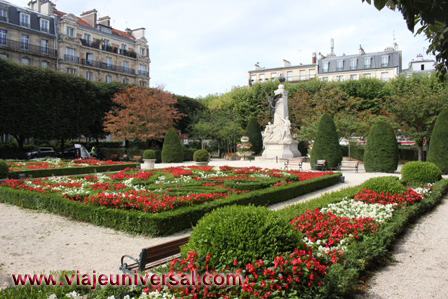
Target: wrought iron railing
{"x": 27, "y": 47}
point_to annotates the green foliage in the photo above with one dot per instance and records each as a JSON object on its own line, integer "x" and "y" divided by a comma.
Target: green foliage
{"x": 188, "y": 154}
{"x": 326, "y": 146}
{"x": 381, "y": 151}
{"x": 390, "y": 184}
{"x": 149, "y": 154}
{"x": 243, "y": 234}
{"x": 438, "y": 147}
{"x": 201, "y": 156}
{"x": 254, "y": 134}
{"x": 4, "y": 169}
{"x": 420, "y": 172}
{"x": 172, "y": 150}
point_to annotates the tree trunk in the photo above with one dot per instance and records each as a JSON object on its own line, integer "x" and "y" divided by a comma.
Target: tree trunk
{"x": 427, "y": 149}
{"x": 420, "y": 152}
{"x": 20, "y": 141}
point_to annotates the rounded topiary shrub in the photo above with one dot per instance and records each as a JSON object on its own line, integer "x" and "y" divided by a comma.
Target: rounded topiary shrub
{"x": 241, "y": 233}
{"x": 4, "y": 169}
{"x": 254, "y": 134}
{"x": 438, "y": 145}
{"x": 326, "y": 146}
{"x": 416, "y": 172}
{"x": 172, "y": 150}
{"x": 201, "y": 156}
{"x": 149, "y": 154}
{"x": 389, "y": 184}
{"x": 381, "y": 151}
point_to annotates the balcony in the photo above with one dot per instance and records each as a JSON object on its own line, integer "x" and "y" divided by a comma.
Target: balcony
{"x": 143, "y": 73}
{"x": 26, "y": 47}
{"x": 105, "y": 66}
{"x": 3, "y": 19}
{"x": 108, "y": 48}
{"x": 71, "y": 58}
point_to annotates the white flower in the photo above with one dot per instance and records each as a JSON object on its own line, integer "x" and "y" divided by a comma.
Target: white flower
{"x": 52, "y": 296}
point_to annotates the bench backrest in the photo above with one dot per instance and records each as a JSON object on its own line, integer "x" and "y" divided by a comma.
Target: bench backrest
{"x": 293, "y": 160}
{"x": 321, "y": 162}
{"x": 349, "y": 163}
{"x": 161, "y": 251}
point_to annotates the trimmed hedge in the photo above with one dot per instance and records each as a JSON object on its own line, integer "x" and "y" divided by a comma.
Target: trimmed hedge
{"x": 390, "y": 184}
{"x": 381, "y": 151}
{"x": 188, "y": 154}
{"x": 420, "y": 172}
{"x": 250, "y": 185}
{"x": 438, "y": 146}
{"x": 70, "y": 170}
{"x": 4, "y": 169}
{"x": 164, "y": 223}
{"x": 326, "y": 146}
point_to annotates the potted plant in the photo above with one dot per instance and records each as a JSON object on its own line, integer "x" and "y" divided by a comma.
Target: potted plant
{"x": 149, "y": 158}
{"x": 201, "y": 157}
{"x": 243, "y": 148}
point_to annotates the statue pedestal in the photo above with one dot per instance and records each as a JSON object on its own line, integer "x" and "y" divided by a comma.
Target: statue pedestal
{"x": 282, "y": 151}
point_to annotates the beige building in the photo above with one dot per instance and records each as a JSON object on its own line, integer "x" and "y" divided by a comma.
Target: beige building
{"x": 292, "y": 73}
{"x": 27, "y": 36}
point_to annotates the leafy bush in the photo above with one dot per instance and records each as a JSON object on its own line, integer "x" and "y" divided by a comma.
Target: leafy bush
{"x": 438, "y": 147}
{"x": 4, "y": 169}
{"x": 326, "y": 146}
{"x": 188, "y": 154}
{"x": 172, "y": 150}
{"x": 149, "y": 154}
{"x": 390, "y": 184}
{"x": 243, "y": 234}
{"x": 381, "y": 151}
{"x": 420, "y": 172}
{"x": 254, "y": 134}
{"x": 201, "y": 156}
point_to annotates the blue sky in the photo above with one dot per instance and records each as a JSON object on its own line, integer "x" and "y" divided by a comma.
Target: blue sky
{"x": 200, "y": 47}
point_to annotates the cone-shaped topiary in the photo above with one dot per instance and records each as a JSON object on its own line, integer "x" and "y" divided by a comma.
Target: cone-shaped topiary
{"x": 326, "y": 146}
{"x": 4, "y": 169}
{"x": 172, "y": 150}
{"x": 254, "y": 134}
{"x": 243, "y": 234}
{"x": 438, "y": 145}
{"x": 381, "y": 151}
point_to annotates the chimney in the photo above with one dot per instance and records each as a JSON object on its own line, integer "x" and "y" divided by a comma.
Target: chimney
{"x": 286, "y": 63}
{"x": 90, "y": 17}
{"x": 138, "y": 33}
{"x": 47, "y": 8}
{"x": 321, "y": 56}
{"x": 314, "y": 58}
{"x": 361, "y": 50}
{"x": 34, "y": 5}
{"x": 257, "y": 66}
{"x": 104, "y": 21}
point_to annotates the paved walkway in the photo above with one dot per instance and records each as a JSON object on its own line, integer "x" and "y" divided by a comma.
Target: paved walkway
{"x": 34, "y": 242}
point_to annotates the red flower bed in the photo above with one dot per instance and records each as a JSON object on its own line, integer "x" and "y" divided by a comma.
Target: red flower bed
{"x": 384, "y": 198}
{"x": 303, "y": 176}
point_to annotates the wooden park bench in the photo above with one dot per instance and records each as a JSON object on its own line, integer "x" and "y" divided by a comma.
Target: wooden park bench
{"x": 154, "y": 256}
{"x": 137, "y": 158}
{"x": 295, "y": 162}
{"x": 320, "y": 165}
{"x": 348, "y": 164}
{"x": 113, "y": 157}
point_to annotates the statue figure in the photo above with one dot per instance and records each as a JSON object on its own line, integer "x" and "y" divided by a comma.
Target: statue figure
{"x": 273, "y": 102}
{"x": 268, "y": 133}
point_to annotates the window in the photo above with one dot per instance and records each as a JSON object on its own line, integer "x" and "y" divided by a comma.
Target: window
{"x": 3, "y": 37}
{"x": 44, "y": 46}
{"x": 368, "y": 75}
{"x": 125, "y": 80}
{"x": 25, "y": 42}
{"x": 4, "y": 138}
{"x": 353, "y": 64}
{"x": 123, "y": 47}
{"x": 24, "y": 20}
{"x": 340, "y": 65}
{"x": 44, "y": 64}
{"x": 87, "y": 37}
{"x": 253, "y": 78}
{"x": 325, "y": 66}
{"x": 289, "y": 76}
{"x": 367, "y": 62}
{"x": 108, "y": 78}
{"x": 302, "y": 75}
{"x": 71, "y": 71}
{"x": 142, "y": 83}
{"x": 3, "y": 15}
{"x": 70, "y": 55}
{"x": 384, "y": 60}
{"x": 422, "y": 67}
{"x": 261, "y": 77}
{"x": 126, "y": 66}
{"x": 109, "y": 62}
{"x": 70, "y": 31}
{"x": 353, "y": 77}
{"x": 312, "y": 73}
{"x": 273, "y": 76}
{"x": 89, "y": 59}
{"x": 3, "y": 56}
{"x": 104, "y": 29}
{"x": 44, "y": 25}
{"x": 142, "y": 70}
{"x": 142, "y": 52}
{"x": 106, "y": 43}
{"x": 89, "y": 76}
{"x": 324, "y": 78}
{"x": 385, "y": 76}
{"x": 340, "y": 78}
{"x": 25, "y": 61}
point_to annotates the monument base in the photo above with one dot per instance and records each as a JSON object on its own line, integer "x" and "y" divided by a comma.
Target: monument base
{"x": 281, "y": 151}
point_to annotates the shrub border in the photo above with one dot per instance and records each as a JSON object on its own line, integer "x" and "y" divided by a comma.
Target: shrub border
{"x": 36, "y": 173}
{"x": 163, "y": 223}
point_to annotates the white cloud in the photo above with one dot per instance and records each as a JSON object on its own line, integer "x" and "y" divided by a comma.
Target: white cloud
{"x": 199, "y": 47}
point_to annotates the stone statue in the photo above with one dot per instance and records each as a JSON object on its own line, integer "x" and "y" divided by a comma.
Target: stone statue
{"x": 268, "y": 133}
{"x": 273, "y": 102}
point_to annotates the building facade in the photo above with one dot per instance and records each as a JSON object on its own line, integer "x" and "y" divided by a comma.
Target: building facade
{"x": 88, "y": 46}
{"x": 28, "y": 37}
{"x": 292, "y": 73}
{"x": 381, "y": 65}
{"x": 420, "y": 65}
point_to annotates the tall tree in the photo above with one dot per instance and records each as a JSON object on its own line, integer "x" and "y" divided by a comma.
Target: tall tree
{"x": 142, "y": 113}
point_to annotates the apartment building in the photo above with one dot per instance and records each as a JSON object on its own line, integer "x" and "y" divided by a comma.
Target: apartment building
{"x": 381, "y": 65}
{"x": 420, "y": 65}
{"x": 28, "y": 37}
{"x": 292, "y": 73}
